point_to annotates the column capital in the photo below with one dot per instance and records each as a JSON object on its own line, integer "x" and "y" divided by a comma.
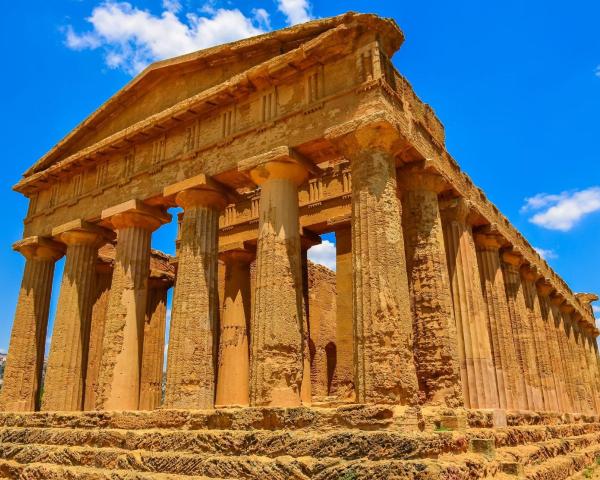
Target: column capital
{"x": 376, "y": 131}
{"x": 200, "y": 190}
{"x": 280, "y": 163}
{"x": 135, "y": 213}
{"x": 457, "y": 209}
{"x": 237, "y": 252}
{"x": 39, "y": 248}
{"x": 544, "y": 287}
{"x": 556, "y": 299}
{"x": 530, "y": 273}
{"x": 80, "y": 232}
{"x": 513, "y": 258}
{"x": 488, "y": 236}
{"x": 587, "y": 298}
{"x": 421, "y": 177}
{"x": 566, "y": 308}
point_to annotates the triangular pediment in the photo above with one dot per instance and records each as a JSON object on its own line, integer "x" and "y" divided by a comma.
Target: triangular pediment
{"x": 168, "y": 82}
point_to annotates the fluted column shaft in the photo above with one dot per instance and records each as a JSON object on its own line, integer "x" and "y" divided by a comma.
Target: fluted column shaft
{"x": 278, "y": 336}
{"x": 65, "y": 373}
{"x": 592, "y": 369}
{"x": 234, "y": 356}
{"x": 563, "y": 324}
{"x": 501, "y": 334}
{"x": 119, "y": 378}
{"x": 153, "y": 351}
{"x": 192, "y": 356}
{"x": 97, "y": 323}
{"x": 344, "y": 370}
{"x": 384, "y": 370}
{"x": 435, "y": 336}
{"x": 540, "y": 342}
{"x": 477, "y": 369}
{"x": 582, "y": 366}
{"x": 23, "y": 371}
{"x": 551, "y": 341}
{"x": 573, "y": 360}
{"x": 522, "y": 333}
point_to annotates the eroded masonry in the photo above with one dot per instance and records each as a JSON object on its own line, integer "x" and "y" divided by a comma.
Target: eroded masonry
{"x": 266, "y": 144}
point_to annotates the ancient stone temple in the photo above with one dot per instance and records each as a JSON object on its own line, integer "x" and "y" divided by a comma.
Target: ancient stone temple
{"x": 443, "y": 346}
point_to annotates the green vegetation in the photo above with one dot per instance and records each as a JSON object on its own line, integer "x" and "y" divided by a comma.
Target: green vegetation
{"x": 349, "y": 475}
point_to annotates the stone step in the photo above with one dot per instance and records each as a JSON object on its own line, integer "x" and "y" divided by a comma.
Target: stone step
{"x": 44, "y": 471}
{"x": 348, "y": 444}
{"x": 564, "y": 466}
{"x": 239, "y": 467}
{"x": 513, "y": 436}
{"x": 361, "y": 417}
{"x": 538, "y": 453}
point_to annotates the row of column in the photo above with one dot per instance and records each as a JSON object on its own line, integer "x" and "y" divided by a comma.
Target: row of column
{"x": 442, "y": 314}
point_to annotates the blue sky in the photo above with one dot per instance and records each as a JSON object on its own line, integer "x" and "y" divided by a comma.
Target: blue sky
{"x": 517, "y": 85}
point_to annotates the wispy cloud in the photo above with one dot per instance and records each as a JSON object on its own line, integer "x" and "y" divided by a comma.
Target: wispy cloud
{"x": 546, "y": 254}
{"x": 324, "y": 254}
{"x": 596, "y": 308}
{"x": 296, "y": 11}
{"x": 598, "y": 71}
{"x": 564, "y": 210}
{"x": 132, "y": 37}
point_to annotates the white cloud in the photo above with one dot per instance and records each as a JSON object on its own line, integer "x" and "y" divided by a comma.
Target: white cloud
{"x": 596, "y": 308}
{"x": 323, "y": 254}
{"x": 3, "y": 351}
{"x": 563, "y": 211}
{"x": 296, "y": 11}
{"x": 546, "y": 254}
{"x": 132, "y": 38}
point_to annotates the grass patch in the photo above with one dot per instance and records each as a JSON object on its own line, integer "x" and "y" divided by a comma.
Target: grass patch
{"x": 349, "y": 475}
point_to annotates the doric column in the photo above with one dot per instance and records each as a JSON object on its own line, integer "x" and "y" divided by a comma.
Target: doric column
{"x": 65, "y": 373}
{"x": 234, "y": 356}
{"x": 23, "y": 371}
{"x": 551, "y": 341}
{"x": 436, "y": 349}
{"x": 278, "y": 334}
{"x": 582, "y": 366}
{"x": 307, "y": 241}
{"x": 119, "y": 377}
{"x": 501, "y": 334}
{"x": 522, "y": 331}
{"x": 592, "y": 367}
{"x": 192, "y": 356}
{"x": 153, "y": 351}
{"x": 344, "y": 370}
{"x": 574, "y": 360}
{"x": 384, "y": 370}
{"x": 529, "y": 277}
{"x": 104, "y": 270}
{"x": 477, "y": 368}
{"x": 564, "y": 333}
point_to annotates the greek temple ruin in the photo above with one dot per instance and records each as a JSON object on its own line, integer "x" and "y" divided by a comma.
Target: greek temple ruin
{"x": 439, "y": 316}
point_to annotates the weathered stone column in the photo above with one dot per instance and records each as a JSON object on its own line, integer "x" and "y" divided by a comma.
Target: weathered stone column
{"x": 192, "y": 356}
{"x": 502, "y": 342}
{"x": 119, "y": 377}
{"x": 522, "y": 331}
{"x": 550, "y": 335}
{"x": 529, "y": 277}
{"x": 592, "y": 367}
{"x": 153, "y": 351}
{"x": 307, "y": 240}
{"x": 477, "y": 369}
{"x": 563, "y": 333}
{"x": 384, "y": 370}
{"x": 436, "y": 349}
{"x": 23, "y": 371}
{"x": 278, "y": 335}
{"x": 65, "y": 373}
{"x": 573, "y": 361}
{"x": 233, "y": 380}
{"x": 104, "y": 270}
{"x": 344, "y": 371}
{"x": 581, "y": 362}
